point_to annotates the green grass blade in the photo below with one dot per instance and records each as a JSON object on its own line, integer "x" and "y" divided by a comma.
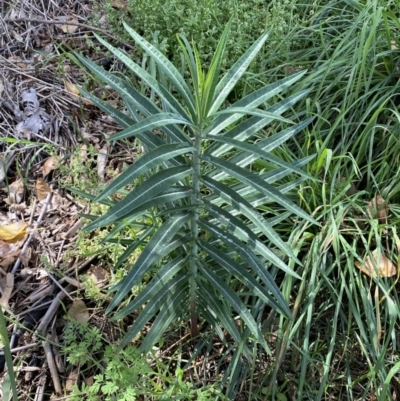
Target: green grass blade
{"x": 142, "y": 194}
{"x": 152, "y": 253}
{"x": 148, "y": 161}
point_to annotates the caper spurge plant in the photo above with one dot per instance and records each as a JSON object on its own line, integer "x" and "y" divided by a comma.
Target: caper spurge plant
{"x": 196, "y": 180}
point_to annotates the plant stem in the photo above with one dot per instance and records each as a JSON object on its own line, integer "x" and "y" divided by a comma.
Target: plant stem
{"x": 195, "y": 234}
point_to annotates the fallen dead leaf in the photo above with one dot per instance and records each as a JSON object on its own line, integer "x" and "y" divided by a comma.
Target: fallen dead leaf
{"x": 13, "y": 232}
{"x": 67, "y": 28}
{"x": 378, "y": 209}
{"x": 378, "y": 266}
{"x": 98, "y": 275}
{"x": 72, "y": 380}
{"x": 74, "y": 91}
{"x": 42, "y": 189}
{"x": 101, "y": 162}
{"x": 16, "y": 192}
{"x": 119, "y": 4}
{"x": 6, "y": 287}
{"x": 49, "y": 165}
{"x": 78, "y": 311}
{"x": 71, "y": 88}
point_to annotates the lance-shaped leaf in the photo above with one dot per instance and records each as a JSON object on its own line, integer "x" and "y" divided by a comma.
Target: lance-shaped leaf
{"x": 140, "y": 103}
{"x": 156, "y": 184}
{"x": 152, "y": 289}
{"x": 253, "y": 100}
{"x": 151, "y": 254}
{"x": 144, "y": 164}
{"x": 258, "y": 184}
{"x": 208, "y": 297}
{"x": 244, "y": 207}
{"x": 243, "y": 159}
{"x": 167, "y": 67}
{"x": 240, "y": 273}
{"x": 240, "y": 230}
{"x": 230, "y": 79}
{"x": 249, "y": 127}
{"x": 236, "y": 304}
{"x": 171, "y": 311}
{"x": 152, "y": 307}
{"x": 256, "y": 151}
{"x": 149, "y": 123}
{"x": 145, "y": 77}
{"x": 247, "y": 254}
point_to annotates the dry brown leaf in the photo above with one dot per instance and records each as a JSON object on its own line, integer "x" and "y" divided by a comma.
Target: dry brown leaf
{"x": 89, "y": 380}
{"x": 378, "y": 266}
{"x": 101, "y": 162}
{"x": 66, "y": 28}
{"x": 119, "y": 4}
{"x": 78, "y": 311}
{"x": 72, "y": 380}
{"x": 13, "y": 232}
{"x": 71, "y": 88}
{"x": 6, "y": 287}
{"x": 42, "y": 189}
{"x": 49, "y": 165}
{"x": 16, "y": 192}
{"x": 98, "y": 275}
{"x": 74, "y": 91}
{"x": 378, "y": 209}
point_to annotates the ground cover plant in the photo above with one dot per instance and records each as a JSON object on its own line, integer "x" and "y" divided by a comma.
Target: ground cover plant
{"x": 341, "y": 282}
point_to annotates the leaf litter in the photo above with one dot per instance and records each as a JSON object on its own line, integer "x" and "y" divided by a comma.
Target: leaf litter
{"x": 44, "y": 124}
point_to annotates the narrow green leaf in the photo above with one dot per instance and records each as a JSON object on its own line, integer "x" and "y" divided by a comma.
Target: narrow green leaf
{"x": 166, "y": 66}
{"x": 140, "y": 103}
{"x": 230, "y": 79}
{"x": 241, "y": 231}
{"x": 253, "y": 112}
{"x": 253, "y": 100}
{"x": 243, "y": 159}
{"x": 215, "y": 70}
{"x": 248, "y": 255}
{"x": 152, "y": 307}
{"x": 148, "y": 161}
{"x": 132, "y": 247}
{"x": 237, "y": 305}
{"x": 152, "y": 253}
{"x": 240, "y": 273}
{"x": 145, "y": 77}
{"x": 251, "y": 126}
{"x": 257, "y": 183}
{"x": 243, "y": 206}
{"x": 170, "y": 312}
{"x": 208, "y": 297}
{"x": 144, "y": 193}
{"x": 149, "y": 123}
{"x": 255, "y": 150}
{"x": 121, "y": 118}
{"x": 152, "y": 289}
